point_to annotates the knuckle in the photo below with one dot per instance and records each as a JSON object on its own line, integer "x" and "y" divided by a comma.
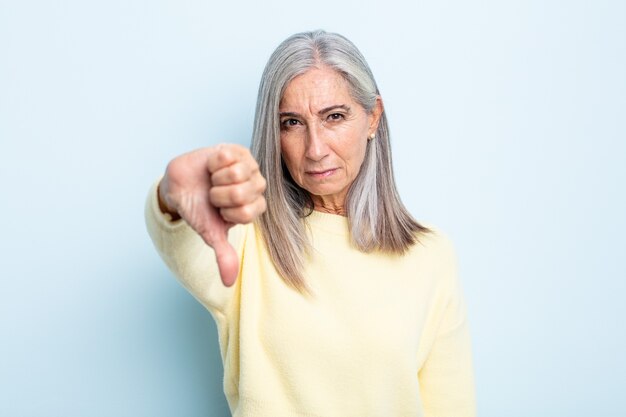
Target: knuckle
{"x": 237, "y": 174}
{"x": 238, "y": 196}
{"x": 247, "y": 214}
{"x": 222, "y": 154}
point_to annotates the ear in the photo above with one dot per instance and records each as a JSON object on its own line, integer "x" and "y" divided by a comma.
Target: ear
{"x": 375, "y": 116}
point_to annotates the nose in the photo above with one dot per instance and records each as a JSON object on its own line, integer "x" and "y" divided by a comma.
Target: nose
{"x": 316, "y": 146}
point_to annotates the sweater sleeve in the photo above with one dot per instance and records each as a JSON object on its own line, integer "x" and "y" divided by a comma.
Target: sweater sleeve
{"x": 446, "y": 378}
{"x": 190, "y": 259}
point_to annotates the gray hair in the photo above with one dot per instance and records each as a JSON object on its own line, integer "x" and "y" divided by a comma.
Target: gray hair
{"x": 378, "y": 220}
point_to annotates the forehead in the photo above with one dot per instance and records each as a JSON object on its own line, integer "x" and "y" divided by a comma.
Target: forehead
{"x": 316, "y": 88}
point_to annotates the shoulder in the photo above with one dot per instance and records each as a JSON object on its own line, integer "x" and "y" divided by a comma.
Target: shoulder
{"x": 434, "y": 254}
{"x": 436, "y": 242}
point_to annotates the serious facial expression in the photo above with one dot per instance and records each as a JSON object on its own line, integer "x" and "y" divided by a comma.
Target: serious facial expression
{"x": 324, "y": 134}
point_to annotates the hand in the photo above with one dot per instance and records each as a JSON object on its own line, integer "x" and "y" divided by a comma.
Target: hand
{"x": 212, "y": 189}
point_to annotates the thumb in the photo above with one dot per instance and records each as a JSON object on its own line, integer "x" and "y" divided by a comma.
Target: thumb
{"x": 227, "y": 261}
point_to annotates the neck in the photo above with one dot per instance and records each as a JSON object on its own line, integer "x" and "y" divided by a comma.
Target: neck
{"x": 329, "y": 207}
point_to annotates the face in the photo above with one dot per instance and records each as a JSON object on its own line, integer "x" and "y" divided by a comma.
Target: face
{"x": 324, "y": 134}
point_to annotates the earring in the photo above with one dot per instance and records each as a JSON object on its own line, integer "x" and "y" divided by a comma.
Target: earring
{"x": 372, "y": 136}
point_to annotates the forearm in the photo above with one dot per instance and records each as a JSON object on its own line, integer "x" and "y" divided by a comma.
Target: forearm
{"x": 447, "y": 378}
{"x": 189, "y": 258}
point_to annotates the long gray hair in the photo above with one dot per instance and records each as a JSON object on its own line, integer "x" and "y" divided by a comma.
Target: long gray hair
{"x": 378, "y": 220}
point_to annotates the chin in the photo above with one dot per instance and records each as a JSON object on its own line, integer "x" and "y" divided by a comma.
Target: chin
{"x": 323, "y": 191}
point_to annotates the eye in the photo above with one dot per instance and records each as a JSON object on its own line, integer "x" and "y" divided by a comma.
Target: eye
{"x": 290, "y": 122}
{"x": 335, "y": 116}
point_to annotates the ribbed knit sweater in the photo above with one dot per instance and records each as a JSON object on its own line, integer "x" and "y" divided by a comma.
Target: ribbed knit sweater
{"x": 381, "y": 335}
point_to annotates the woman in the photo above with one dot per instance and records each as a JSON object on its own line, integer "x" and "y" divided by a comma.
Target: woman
{"x": 333, "y": 301}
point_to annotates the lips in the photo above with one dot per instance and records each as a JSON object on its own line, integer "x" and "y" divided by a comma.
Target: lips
{"x": 321, "y": 173}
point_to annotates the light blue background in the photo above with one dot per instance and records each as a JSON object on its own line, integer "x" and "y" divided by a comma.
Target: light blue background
{"x": 508, "y": 130}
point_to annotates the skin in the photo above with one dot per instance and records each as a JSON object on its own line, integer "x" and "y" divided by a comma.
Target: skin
{"x": 324, "y": 134}
{"x": 212, "y": 189}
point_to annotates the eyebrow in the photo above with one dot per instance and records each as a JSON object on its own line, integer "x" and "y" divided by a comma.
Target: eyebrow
{"x": 324, "y": 110}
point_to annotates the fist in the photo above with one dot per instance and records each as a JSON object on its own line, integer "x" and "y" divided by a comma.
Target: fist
{"x": 212, "y": 189}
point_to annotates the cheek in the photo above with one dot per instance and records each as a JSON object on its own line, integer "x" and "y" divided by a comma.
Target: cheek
{"x": 285, "y": 152}
{"x": 355, "y": 151}
{"x": 357, "y": 160}
{"x": 355, "y": 145}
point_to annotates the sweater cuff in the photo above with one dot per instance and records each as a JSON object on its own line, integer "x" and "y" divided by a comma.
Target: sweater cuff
{"x": 162, "y": 220}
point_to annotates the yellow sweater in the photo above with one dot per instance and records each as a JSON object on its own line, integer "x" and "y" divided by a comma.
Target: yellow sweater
{"x": 382, "y": 335}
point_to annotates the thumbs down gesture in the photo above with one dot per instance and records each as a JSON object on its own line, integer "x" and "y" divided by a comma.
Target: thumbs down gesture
{"x": 213, "y": 189}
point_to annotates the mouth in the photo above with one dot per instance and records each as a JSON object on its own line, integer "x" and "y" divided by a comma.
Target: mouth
{"x": 321, "y": 173}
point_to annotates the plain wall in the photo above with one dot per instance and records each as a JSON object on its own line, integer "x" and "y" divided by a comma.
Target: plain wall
{"x": 508, "y": 132}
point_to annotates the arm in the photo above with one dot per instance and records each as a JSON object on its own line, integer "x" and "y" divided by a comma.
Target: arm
{"x": 189, "y": 213}
{"x": 446, "y": 378}
{"x": 189, "y": 258}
